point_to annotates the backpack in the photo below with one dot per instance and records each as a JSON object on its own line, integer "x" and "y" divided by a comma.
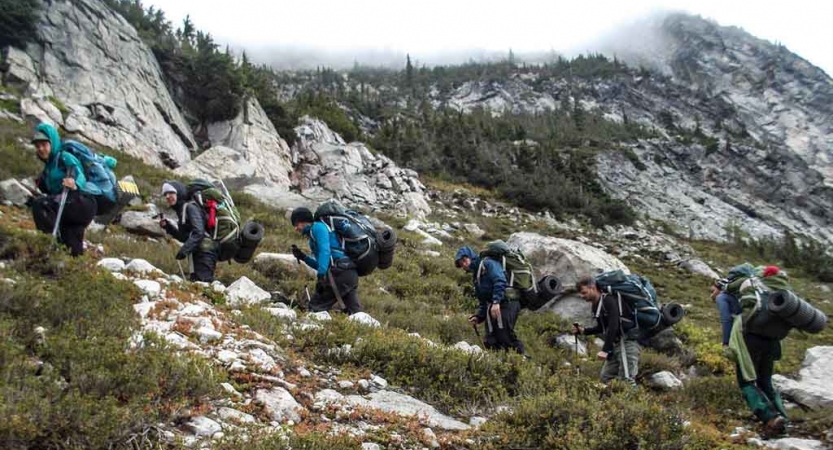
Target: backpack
{"x": 98, "y": 170}
{"x": 222, "y": 217}
{"x": 518, "y": 272}
{"x": 356, "y": 234}
{"x": 638, "y": 293}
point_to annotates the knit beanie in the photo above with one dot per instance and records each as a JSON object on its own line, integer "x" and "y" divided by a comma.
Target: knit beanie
{"x": 301, "y": 214}
{"x": 167, "y": 187}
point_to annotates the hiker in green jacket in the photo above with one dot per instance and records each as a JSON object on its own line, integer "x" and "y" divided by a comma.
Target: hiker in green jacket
{"x": 62, "y": 175}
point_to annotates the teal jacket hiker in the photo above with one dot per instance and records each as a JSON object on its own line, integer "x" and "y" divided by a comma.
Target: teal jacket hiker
{"x": 51, "y": 179}
{"x": 324, "y": 254}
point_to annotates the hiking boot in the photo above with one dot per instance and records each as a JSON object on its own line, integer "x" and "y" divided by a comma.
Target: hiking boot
{"x": 776, "y": 426}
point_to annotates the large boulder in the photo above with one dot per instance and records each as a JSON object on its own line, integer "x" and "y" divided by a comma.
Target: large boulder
{"x": 812, "y": 389}
{"x": 109, "y": 85}
{"x": 142, "y": 222}
{"x": 568, "y": 260}
{"x": 286, "y": 262}
{"x": 15, "y": 192}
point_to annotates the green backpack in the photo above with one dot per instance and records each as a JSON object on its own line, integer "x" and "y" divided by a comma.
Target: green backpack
{"x": 518, "y": 272}
{"x": 223, "y": 219}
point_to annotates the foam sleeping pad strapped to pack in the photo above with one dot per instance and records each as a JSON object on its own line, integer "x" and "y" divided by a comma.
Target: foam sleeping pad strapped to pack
{"x": 250, "y": 238}
{"x": 387, "y": 247}
{"x": 797, "y": 311}
{"x": 672, "y": 313}
{"x": 548, "y": 287}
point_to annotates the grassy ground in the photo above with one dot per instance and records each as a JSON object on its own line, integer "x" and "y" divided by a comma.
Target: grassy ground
{"x": 549, "y": 405}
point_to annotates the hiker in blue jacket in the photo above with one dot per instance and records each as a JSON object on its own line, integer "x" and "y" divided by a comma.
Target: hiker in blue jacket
{"x": 336, "y": 275}
{"x": 499, "y": 312}
{"x": 61, "y": 171}
{"x": 200, "y": 250}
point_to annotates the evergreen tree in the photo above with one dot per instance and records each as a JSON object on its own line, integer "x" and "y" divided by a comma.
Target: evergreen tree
{"x": 17, "y": 22}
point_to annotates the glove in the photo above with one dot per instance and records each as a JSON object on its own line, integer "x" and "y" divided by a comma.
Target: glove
{"x": 298, "y": 254}
{"x": 180, "y": 255}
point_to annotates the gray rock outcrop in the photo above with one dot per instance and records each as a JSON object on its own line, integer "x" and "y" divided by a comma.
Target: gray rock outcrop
{"x": 812, "y": 388}
{"x": 106, "y": 79}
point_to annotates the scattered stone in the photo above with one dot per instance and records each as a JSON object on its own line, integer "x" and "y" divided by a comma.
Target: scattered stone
{"x": 218, "y": 287}
{"x": 111, "y": 264}
{"x": 429, "y": 436}
{"x": 379, "y": 381}
{"x": 149, "y": 287}
{"x": 283, "y": 313}
{"x": 698, "y": 267}
{"x": 474, "y": 230}
{"x": 245, "y": 292}
{"x": 364, "y": 384}
{"x": 665, "y": 380}
{"x": 428, "y": 239}
{"x": 144, "y": 308}
{"x": 285, "y": 261}
{"x": 235, "y": 416}
{"x": 371, "y": 446}
{"x": 365, "y": 319}
{"x": 477, "y": 421}
{"x": 142, "y": 223}
{"x": 202, "y": 426}
{"x": 141, "y": 266}
{"x": 465, "y": 347}
{"x": 322, "y": 316}
{"x": 279, "y": 404}
{"x": 230, "y": 390}
{"x": 430, "y": 253}
{"x": 568, "y": 342}
{"x": 304, "y": 373}
{"x": 207, "y": 334}
{"x": 345, "y": 384}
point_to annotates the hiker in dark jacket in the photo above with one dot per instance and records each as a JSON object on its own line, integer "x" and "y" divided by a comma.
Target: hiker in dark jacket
{"x": 61, "y": 172}
{"x": 499, "y": 312}
{"x": 336, "y": 275}
{"x": 760, "y": 395}
{"x": 614, "y": 320}
{"x": 190, "y": 229}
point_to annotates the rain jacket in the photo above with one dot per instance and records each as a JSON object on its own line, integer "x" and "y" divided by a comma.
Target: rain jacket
{"x": 489, "y": 280}
{"x": 322, "y": 255}
{"x": 58, "y": 164}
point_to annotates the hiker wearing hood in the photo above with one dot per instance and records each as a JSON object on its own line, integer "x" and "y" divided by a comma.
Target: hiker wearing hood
{"x": 61, "y": 171}
{"x": 190, "y": 229}
{"x": 499, "y": 313}
{"x": 336, "y": 276}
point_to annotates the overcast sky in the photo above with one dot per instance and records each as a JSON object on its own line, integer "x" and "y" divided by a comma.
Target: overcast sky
{"x": 425, "y": 27}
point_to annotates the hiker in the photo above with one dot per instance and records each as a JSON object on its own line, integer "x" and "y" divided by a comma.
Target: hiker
{"x": 759, "y": 393}
{"x": 190, "y": 229}
{"x": 620, "y": 335}
{"x": 499, "y": 312}
{"x": 62, "y": 175}
{"x": 336, "y": 276}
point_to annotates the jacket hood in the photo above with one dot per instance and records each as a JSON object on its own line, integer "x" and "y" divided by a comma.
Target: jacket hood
{"x": 181, "y": 193}
{"x": 54, "y": 139}
{"x": 463, "y": 252}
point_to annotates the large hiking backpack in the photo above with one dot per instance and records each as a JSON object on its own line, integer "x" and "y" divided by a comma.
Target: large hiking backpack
{"x": 98, "y": 170}
{"x": 519, "y": 274}
{"x": 769, "y": 306}
{"x": 222, "y": 218}
{"x": 368, "y": 248}
{"x": 638, "y": 293}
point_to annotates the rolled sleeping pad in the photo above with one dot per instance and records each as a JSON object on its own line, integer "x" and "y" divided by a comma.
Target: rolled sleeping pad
{"x": 250, "y": 237}
{"x": 672, "y": 313}
{"x": 784, "y": 303}
{"x": 807, "y": 318}
{"x": 386, "y": 239}
{"x": 548, "y": 287}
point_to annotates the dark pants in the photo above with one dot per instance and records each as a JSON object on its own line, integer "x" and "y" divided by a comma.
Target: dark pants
{"x": 503, "y": 337}
{"x": 204, "y": 265}
{"x": 342, "y": 276}
{"x": 760, "y": 395}
{"x": 79, "y": 211}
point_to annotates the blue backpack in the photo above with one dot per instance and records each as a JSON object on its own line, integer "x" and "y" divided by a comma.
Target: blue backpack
{"x": 638, "y": 293}
{"x": 357, "y": 235}
{"x": 101, "y": 181}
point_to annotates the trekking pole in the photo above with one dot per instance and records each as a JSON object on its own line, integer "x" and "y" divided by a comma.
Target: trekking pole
{"x": 181, "y": 272}
{"x": 575, "y": 355}
{"x": 476, "y": 331}
{"x": 60, "y": 213}
{"x": 64, "y": 194}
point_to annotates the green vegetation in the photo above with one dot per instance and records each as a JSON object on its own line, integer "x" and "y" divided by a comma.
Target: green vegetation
{"x": 76, "y": 384}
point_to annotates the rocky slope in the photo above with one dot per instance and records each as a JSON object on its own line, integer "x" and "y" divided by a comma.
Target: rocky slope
{"x": 106, "y": 79}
